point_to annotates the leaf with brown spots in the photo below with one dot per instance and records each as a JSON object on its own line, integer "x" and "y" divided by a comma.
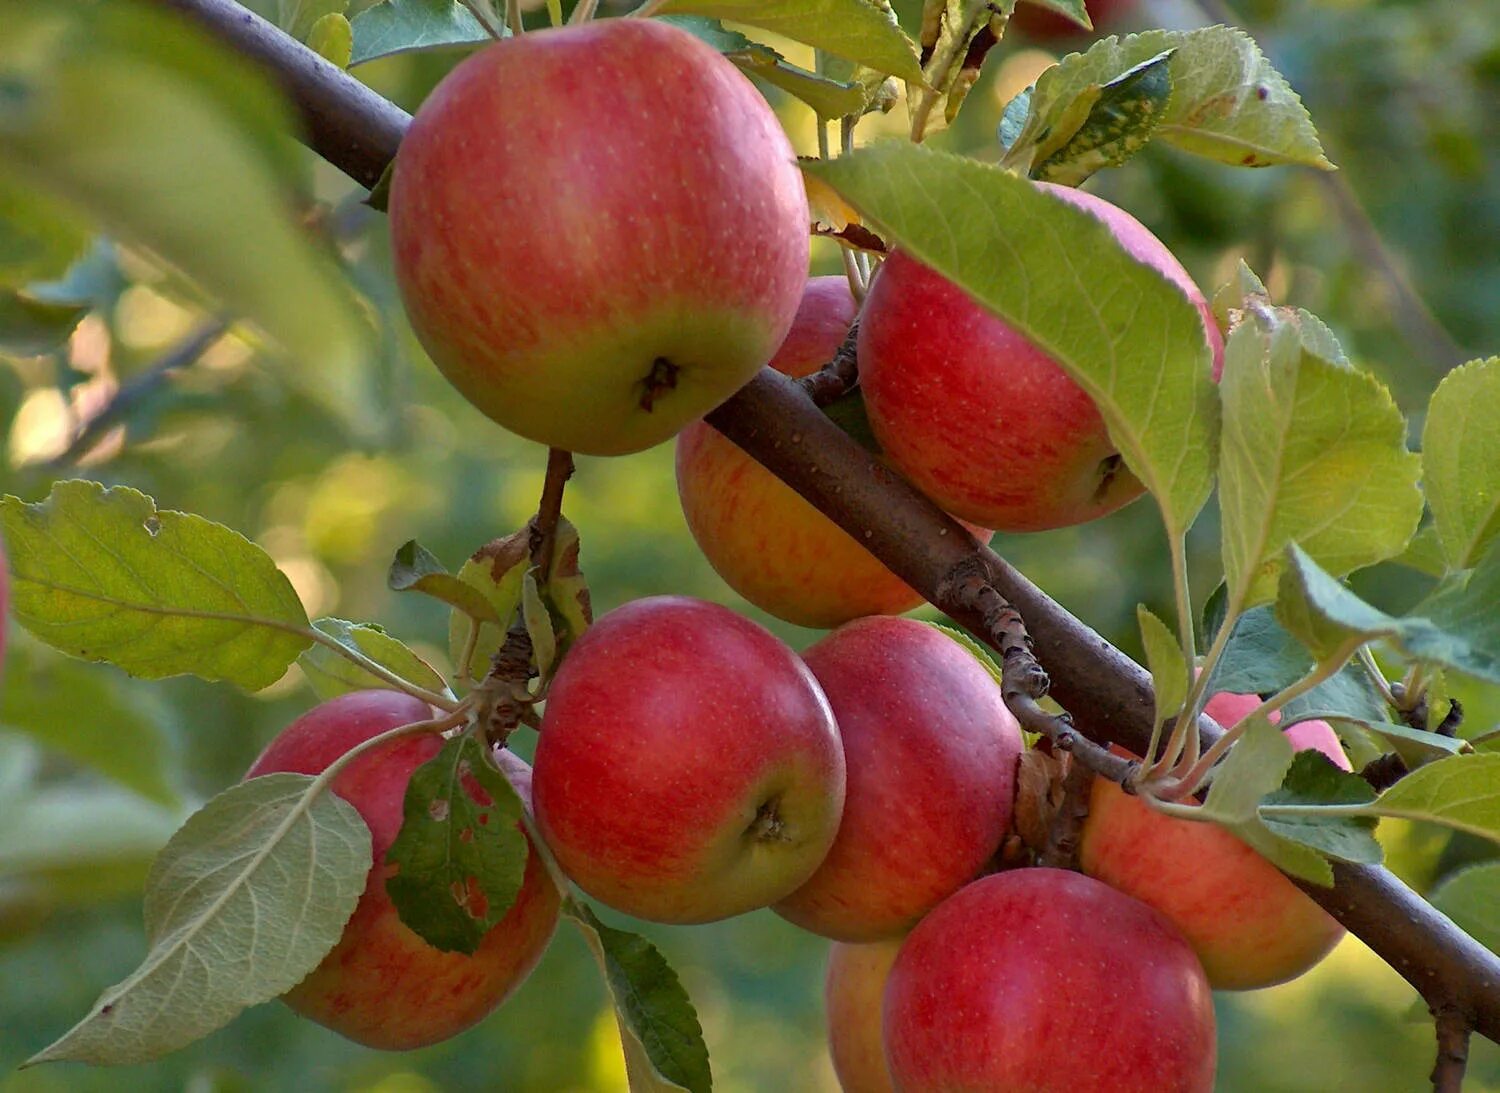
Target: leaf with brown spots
{"x": 460, "y": 858}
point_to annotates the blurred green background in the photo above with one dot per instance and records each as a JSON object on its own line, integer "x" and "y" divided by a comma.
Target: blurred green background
{"x": 1407, "y": 98}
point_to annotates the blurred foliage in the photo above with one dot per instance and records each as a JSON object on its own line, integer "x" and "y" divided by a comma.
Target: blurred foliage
{"x": 1407, "y": 101}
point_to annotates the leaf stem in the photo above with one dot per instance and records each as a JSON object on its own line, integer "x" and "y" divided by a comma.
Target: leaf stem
{"x": 513, "y": 17}
{"x": 1377, "y": 677}
{"x": 1185, "y": 730}
{"x": 480, "y": 9}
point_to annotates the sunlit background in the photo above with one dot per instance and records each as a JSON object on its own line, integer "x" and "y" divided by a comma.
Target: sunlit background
{"x": 1407, "y": 99}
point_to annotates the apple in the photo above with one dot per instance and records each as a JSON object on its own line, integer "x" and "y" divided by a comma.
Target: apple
{"x": 1041, "y": 25}
{"x": 852, "y": 991}
{"x": 688, "y": 767}
{"x": 382, "y": 985}
{"x": 931, "y": 755}
{"x": 1250, "y": 926}
{"x": 980, "y": 418}
{"x": 592, "y": 261}
{"x": 767, "y": 542}
{"x": 1042, "y": 979}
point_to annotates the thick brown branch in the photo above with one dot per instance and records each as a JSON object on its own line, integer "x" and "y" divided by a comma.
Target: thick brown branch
{"x": 773, "y": 420}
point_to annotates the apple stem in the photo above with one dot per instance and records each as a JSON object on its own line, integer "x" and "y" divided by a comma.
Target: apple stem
{"x": 1065, "y": 832}
{"x": 549, "y": 508}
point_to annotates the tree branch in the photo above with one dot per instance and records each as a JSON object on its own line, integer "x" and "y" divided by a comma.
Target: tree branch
{"x": 773, "y": 420}
{"x": 1452, "y": 1052}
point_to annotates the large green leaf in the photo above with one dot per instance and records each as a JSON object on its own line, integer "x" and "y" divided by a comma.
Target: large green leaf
{"x": 659, "y": 1029}
{"x": 330, "y": 674}
{"x": 165, "y": 139}
{"x": 401, "y": 26}
{"x": 1469, "y": 897}
{"x": 1313, "y": 452}
{"x": 1227, "y": 102}
{"x": 103, "y": 574}
{"x": 460, "y": 857}
{"x": 245, "y": 900}
{"x": 80, "y": 712}
{"x": 1056, "y": 274}
{"x": 1458, "y": 626}
{"x": 856, "y": 29}
{"x": 1461, "y": 460}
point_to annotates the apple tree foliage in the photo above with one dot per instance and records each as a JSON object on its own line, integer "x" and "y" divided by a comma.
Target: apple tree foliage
{"x": 1302, "y": 455}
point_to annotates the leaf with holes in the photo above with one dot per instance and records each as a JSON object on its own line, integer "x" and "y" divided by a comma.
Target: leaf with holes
{"x": 244, "y": 900}
{"x": 460, "y": 857}
{"x": 659, "y": 1029}
{"x": 103, "y": 574}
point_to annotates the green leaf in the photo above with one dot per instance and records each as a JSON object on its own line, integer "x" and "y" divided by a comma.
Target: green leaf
{"x": 855, "y": 29}
{"x": 566, "y": 590}
{"x": 1312, "y": 779}
{"x": 145, "y": 126}
{"x": 102, "y": 574}
{"x": 332, "y": 38}
{"x": 538, "y": 625}
{"x": 1227, "y": 102}
{"x": 1313, "y": 453}
{"x": 830, "y": 98}
{"x": 1120, "y": 122}
{"x": 1461, "y": 793}
{"x": 1128, "y": 337}
{"x": 1460, "y": 628}
{"x": 30, "y": 327}
{"x": 460, "y": 857}
{"x": 298, "y": 17}
{"x": 1254, "y": 767}
{"x": 245, "y": 900}
{"x": 1068, "y": 9}
{"x": 417, "y": 568}
{"x": 1292, "y": 858}
{"x": 39, "y": 237}
{"x": 1415, "y": 746}
{"x": 1425, "y": 551}
{"x": 1469, "y": 897}
{"x": 402, "y": 26}
{"x": 659, "y": 1029}
{"x": 1461, "y": 460}
{"x": 496, "y": 570}
{"x": 330, "y": 674}
{"x": 79, "y": 712}
{"x": 1169, "y": 674}
{"x": 949, "y": 30}
{"x": 1260, "y": 656}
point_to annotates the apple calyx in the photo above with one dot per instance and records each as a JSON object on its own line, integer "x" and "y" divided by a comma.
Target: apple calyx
{"x": 661, "y": 379}
{"x": 768, "y": 826}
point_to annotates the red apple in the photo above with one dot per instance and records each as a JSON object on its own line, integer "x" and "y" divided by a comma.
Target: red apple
{"x": 979, "y": 417}
{"x": 1250, "y": 926}
{"x": 852, "y": 993}
{"x": 599, "y": 231}
{"x": 1042, "y": 979}
{"x": 382, "y": 985}
{"x": 688, "y": 767}
{"x": 931, "y": 754}
{"x": 1041, "y": 25}
{"x": 768, "y": 543}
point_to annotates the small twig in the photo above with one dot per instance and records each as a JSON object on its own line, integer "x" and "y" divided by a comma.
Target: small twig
{"x": 1452, "y": 719}
{"x": 1066, "y": 829}
{"x": 1377, "y": 677}
{"x": 1023, "y": 680}
{"x": 502, "y": 698}
{"x": 1452, "y": 1051}
{"x": 838, "y": 377}
{"x": 549, "y": 508}
{"x": 480, "y": 9}
{"x": 135, "y": 389}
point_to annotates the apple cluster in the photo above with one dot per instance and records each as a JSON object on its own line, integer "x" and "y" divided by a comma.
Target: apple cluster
{"x": 691, "y": 766}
